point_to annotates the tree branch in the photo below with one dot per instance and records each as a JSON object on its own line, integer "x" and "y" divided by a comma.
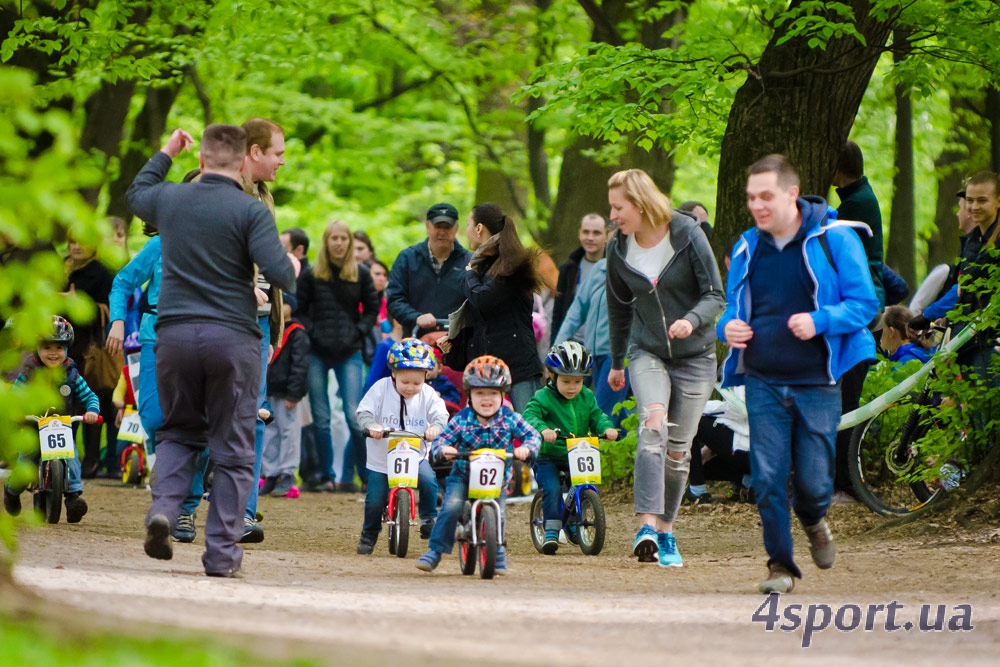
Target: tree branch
{"x": 397, "y": 91}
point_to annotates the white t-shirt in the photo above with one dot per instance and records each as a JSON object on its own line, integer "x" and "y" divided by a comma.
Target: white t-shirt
{"x": 649, "y": 261}
{"x": 423, "y": 410}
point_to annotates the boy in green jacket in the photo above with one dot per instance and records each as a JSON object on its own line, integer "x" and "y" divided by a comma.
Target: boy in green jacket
{"x": 562, "y": 408}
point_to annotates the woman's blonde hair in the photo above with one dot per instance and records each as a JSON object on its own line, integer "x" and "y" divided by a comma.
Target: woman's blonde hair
{"x": 640, "y": 191}
{"x": 324, "y": 265}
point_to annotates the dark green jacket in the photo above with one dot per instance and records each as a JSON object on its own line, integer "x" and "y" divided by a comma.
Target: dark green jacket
{"x": 858, "y": 202}
{"x": 577, "y": 418}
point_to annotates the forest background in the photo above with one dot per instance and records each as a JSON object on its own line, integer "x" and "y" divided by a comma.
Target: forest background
{"x": 394, "y": 105}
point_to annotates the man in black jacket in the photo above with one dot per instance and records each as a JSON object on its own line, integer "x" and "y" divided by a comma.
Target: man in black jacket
{"x": 425, "y": 283}
{"x": 593, "y": 237}
{"x": 208, "y": 347}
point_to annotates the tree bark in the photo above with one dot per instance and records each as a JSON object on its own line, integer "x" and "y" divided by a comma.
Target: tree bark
{"x": 993, "y": 117}
{"x": 800, "y": 102}
{"x": 902, "y": 230}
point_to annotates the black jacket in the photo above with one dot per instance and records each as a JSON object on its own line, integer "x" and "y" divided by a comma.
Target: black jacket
{"x": 566, "y": 287}
{"x": 502, "y": 308}
{"x": 414, "y": 288}
{"x": 329, "y": 309}
{"x": 288, "y": 373}
{"x": 640, "y": 314}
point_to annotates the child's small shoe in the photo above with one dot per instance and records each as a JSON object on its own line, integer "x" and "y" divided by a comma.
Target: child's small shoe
{"x": 76, "y": 507}
{"x": 425, "y": 529}
{"x": 366, "y": 544}
{"x": 551, "y": 543}
{"x": 429, "y": 561}
{"x": 501, "y": 563}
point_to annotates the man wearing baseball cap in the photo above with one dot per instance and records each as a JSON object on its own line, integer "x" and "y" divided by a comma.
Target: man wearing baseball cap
{"x": 425, "y": 283}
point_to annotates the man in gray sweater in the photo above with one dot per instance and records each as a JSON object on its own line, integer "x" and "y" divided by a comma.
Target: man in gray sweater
{"x": 208, "y": 345}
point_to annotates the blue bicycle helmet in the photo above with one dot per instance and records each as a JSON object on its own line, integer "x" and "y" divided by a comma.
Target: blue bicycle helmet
{"x": 571, "y": 359}
{"x": 411, "y": 353}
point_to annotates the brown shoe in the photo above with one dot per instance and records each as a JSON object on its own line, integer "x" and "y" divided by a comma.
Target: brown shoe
{"x": 779, "y": 580}
{"x": 821, "y": 546}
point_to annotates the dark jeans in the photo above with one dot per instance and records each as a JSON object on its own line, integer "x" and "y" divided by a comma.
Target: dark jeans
{"x": 377, "y": 497}
{"x": 851, "y": 384}
{"x": 547, "y": 475}
{"x": 727, "y": 465}
{"x": 209, "y": 378}
{"x": 92, "y": 457}
{"x": 792, "y": 433}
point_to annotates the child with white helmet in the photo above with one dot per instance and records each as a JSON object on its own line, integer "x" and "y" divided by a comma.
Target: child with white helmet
{"x": 563, "y": 408}
{"x": 401, "y": 402}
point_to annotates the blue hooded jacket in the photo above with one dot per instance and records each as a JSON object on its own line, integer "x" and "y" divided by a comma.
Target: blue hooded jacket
{"x": 843, "y": 295}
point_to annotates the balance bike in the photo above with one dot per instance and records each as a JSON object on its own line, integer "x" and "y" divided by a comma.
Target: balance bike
{"x": 134, "y": 464}
{"x": 55, "y": 444}
{"x": 581, "y": 507}
{"x": 403, "y": 465}
{"x": 479, "y": 532}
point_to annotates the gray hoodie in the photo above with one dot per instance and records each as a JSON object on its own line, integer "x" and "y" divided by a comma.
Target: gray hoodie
{"x": 640, "y": 314}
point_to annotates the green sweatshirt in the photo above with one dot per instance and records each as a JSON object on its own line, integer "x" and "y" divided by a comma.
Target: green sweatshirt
{"x": 579, "y": 417}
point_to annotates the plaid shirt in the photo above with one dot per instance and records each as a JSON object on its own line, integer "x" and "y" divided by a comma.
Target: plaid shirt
{"x": 466, "y": 434}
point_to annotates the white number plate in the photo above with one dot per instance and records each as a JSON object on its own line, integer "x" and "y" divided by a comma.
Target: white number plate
{"x": 486, "y": 469}
{"x": 584, "y": 461}
{"x": 403, "y": 461}
{"x": 55, "y": 438}
{"x": 131, "y": 429}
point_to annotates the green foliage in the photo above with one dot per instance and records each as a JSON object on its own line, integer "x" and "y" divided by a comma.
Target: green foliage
{"x": 618, "y": 458}
{"x": 39, "y": 204}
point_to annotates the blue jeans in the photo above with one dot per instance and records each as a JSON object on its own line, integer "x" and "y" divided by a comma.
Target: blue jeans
{"x": 793, "y": 431}
{"x": 150, "y": 413}
{"x": 350, "y": 384}
{"x": 258, "y": 434}
{"x": 456, "y": 492}
{"x": 608, "y": 398}
{"x": 521, "y": 392}
{"x": 547, "y": 476}
{"x": 377, "y": 497}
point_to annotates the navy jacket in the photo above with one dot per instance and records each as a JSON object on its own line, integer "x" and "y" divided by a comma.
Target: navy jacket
{"x": 414, "y": 288}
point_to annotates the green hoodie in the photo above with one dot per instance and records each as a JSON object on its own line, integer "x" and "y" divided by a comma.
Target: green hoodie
{"x": 576, "y": 418}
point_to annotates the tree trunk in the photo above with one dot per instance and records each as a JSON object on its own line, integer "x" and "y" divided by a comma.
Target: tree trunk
{"x": 993, "y": 117}
{"x": 800, "y": 102}
{"x": 902, "y": 233}
{"x": 538, "y": 161}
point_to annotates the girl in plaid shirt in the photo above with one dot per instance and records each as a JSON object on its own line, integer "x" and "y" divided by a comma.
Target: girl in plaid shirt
{"x": 485, "y": 424}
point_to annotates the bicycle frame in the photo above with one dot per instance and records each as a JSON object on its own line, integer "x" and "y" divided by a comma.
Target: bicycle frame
{"x": 476, "y": 504}
{"x": 391, "y": 510}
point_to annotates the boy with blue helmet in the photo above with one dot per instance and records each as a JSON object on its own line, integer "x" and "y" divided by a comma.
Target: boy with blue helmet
{"x": 401, "y": 402}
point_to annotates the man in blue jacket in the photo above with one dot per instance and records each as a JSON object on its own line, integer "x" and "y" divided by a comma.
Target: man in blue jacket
{"x": 799, "y": 299}
{"x": 425, "y": 283}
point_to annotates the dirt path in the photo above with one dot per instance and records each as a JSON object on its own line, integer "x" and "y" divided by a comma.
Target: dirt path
{"x": 306, "y": 592}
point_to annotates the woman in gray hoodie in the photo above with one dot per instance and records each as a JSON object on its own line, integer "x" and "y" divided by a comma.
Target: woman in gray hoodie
{"x": 664, "y": 295}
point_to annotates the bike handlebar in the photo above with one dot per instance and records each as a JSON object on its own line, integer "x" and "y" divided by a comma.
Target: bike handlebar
{"x": 441, "y": 324}
{"x": 387, "y": 434}
{"x": 72, "y": 420}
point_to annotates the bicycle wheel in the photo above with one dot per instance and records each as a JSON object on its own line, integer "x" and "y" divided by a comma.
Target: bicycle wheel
{"x": 593, "y": 525}
{"x": 488, "y": 542}
{"x": 53, "y": 478}
{"x": 883, "y": 457}
{"x": 536, "y": 522}
{"x": 467, "y": 551}
{"x": 132, "y": 472}
{"x": 386, "y": 519}
{"x": 401, "y": 534}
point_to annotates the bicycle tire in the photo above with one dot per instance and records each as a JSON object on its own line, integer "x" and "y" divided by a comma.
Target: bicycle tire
{"x": 401, "y": 534}
{"x": 593, "y": 524}
{"x": 467, "y": 552}
{"x": 132, "y": 472}
{"x": 536, "y": 522}
{"x": 488, "y": 541}
{"x": 880, "y": 453}
{"x": 53, "y": 477}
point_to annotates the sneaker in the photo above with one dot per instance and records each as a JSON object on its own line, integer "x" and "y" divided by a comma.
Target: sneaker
{"x": 779, "y": 580}
{"x": 551, "y": 543}
{"x": 283, "y": 484}
{"x": 185, "y": 531}
{"x": 76, "y": 507}
{"x": 501, "y": 563}
{"x": 429, "y": 561}
{"x": 157, "y": 543}
{"x": 366, "y": 544}
{"x": 669, "y": 556}
{"x": 268, "y": 486}
{"x": 252, "y": 532}
{"x": 646, "y": 545}
{"x": 235, "y": 573}
{"x": 821, "y": 545}
{"x": 11, "y": 501}
{"x": 426, "y": 527}
{"x": 572, "y": 533}
{"x": 691, "y": 498}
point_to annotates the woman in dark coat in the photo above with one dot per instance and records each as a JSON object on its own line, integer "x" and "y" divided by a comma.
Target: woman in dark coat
{"x": 499, "y": 288}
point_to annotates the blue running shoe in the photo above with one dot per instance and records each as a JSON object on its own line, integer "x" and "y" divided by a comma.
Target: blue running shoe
{"x": 551, "y": 543}
{"x": 501, "y": 563}
{"x": 429, "y": 561}
{"x": 646, "y": 545}
{"x": 669, "y": 555}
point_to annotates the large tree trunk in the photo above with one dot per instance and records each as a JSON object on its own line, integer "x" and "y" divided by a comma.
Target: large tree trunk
{"x": 902, "y": 233}
{"x": 800, "y": 102}
{"x": 993, "y": 117}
